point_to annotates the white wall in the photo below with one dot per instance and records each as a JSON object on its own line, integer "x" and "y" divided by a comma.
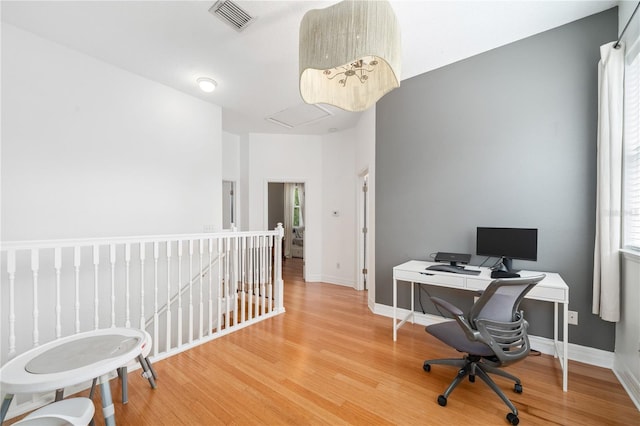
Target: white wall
{"x": 90, "y": 150}
{"x": 339, "y": 232}
{"x": 288, "y": 158}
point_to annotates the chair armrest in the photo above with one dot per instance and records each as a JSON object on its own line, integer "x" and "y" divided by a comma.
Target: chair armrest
{"x": 458, "y": 315}
{"x": 452, "y": 309}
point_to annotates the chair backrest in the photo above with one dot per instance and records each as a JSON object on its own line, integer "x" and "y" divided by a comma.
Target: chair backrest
{"x": 496, "y": 316}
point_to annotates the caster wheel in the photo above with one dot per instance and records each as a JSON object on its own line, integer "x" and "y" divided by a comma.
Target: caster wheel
{"x": 426, "y": 367}
{"x": 472, "y": 378}
{"x": 442, "y": 400}
{"x": 517, "y": 388}
{"x": 513, "y": 419}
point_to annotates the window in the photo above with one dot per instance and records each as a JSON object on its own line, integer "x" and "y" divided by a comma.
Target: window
{"x": 297, "y": 207}
{"x": 631, "y": 152}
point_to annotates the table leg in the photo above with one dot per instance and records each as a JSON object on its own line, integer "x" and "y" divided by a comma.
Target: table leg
{"x": 122, "y": 372}
{"x": 108, "y": 409}
{"x": 395, "y": 307}
{"x": 565, "y": 336}
{"x": 555, "y": 329}
{"x": 413, "y": 309}
{"x": 147, "y": 373}
{"x": 5, "y": 406}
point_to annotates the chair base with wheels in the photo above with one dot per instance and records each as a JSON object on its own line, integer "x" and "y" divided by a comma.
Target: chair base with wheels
{"x": 472, "y": 366}
{"x": 73, "y": 411}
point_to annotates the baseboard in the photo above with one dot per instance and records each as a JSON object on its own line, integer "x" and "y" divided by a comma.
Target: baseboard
{"x": 628, "y": 381}
{"x": 338, "y": 281}
{"x": 545, "y": 345}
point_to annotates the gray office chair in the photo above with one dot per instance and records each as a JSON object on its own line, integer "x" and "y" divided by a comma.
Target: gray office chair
{"x": 493, "y": 335}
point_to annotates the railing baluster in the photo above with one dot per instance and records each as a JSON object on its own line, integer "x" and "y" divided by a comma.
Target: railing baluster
{"x": 228, "y": 297}
{"x": 277, "y": 281}
{"x": 143, "y": 320}
{"x": 236, "y": 274}
{"x": 76, "y": 266}
{"x": 57, "y": 264}
{"x": 156, "y": 325}
{"x": 243, "y": 281}
{"x": 112, "y": 260}
{"x": 96, "y": 265}
{"x": 35, "y": 267}
{"x": 221, "y": 293}
{"x": 127, "y": 285}
{"x": 210, "y": 245}
{"x": 190, "y": 291}
{"x": 265, "y": 267}
{"x": 201, "y": 305}
{"x": 179, "y": 293}
{"x": 270, "y": 273}
{"x": 11, "y": 270}
{"x": 168, "y": 343}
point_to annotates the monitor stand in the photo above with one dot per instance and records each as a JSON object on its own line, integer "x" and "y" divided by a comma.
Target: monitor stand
{"x": 506, "y": 265}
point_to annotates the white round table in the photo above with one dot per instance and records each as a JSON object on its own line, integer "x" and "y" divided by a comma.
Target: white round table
{"x": 71, "y": 360}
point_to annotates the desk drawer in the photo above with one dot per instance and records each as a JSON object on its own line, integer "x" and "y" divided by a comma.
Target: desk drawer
{"x": 444, "y": 280}
{"x": 550, "y": 294}
{"x": 477, "y": 284}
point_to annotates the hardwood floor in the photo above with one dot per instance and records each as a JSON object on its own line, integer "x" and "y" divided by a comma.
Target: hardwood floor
{"x": 329, "y": 360}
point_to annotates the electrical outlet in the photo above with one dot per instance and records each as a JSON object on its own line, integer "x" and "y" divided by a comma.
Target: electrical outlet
{"x": 573, "y": 318}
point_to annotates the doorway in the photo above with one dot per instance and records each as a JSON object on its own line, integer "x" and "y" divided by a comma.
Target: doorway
{"x": 285, "y": 204}
{"x": 228, "y": 204}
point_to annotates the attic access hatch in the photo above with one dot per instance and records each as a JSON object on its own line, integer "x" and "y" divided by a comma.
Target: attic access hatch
{"x": 232, "y": 14}
{"x": 300, "y": 115}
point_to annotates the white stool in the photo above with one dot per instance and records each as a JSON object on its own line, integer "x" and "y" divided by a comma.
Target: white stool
{"x": 73, "y": 411}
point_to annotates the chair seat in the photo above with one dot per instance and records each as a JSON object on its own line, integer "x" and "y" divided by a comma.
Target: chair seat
{"x": 72, "y": 411}
{"x": 450, "y": 333}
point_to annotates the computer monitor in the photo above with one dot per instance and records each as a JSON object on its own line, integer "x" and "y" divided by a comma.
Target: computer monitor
{"x": 508, "y": 244}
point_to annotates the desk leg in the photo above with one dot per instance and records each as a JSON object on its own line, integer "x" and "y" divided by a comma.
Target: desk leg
{"x": 555, "y": 329}
{"x": 107, "y": 404}
{"x": 565, "y": 349}
{"x": 395, "y": 308}
{"x": 413, "y": 310}
{"x": 5, "y": 406}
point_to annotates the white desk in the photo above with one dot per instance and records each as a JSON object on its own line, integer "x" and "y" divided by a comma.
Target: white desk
{"x": 551, "y": 289}
{"x": 72, "y": 360}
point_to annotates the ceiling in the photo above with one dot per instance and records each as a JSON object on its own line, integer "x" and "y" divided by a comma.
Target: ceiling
{"x": 174, "y": 43}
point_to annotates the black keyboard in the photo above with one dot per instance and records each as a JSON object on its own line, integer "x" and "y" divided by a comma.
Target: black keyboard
{"x": 453, "y": 269}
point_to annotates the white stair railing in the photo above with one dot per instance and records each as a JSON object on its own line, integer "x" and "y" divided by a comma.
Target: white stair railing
{"x": 52, "y": 289}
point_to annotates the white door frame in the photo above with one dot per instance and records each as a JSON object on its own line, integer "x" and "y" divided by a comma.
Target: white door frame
{"x": 363, "y": 238}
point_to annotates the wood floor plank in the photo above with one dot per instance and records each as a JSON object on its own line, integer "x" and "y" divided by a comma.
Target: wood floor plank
{"x": 329, "y": 361}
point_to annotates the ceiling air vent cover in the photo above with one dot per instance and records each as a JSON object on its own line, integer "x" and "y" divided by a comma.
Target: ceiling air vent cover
{"x": 232, "y": 14}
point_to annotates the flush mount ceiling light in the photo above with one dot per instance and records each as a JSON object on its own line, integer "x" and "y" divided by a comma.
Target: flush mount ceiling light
{"x": 349, "y": 54}
{"x": 207, "y": 84}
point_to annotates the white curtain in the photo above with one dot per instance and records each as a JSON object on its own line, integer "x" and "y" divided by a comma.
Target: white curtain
{"x": 288, "y": 218}
{"x": 301, "y": 201}
{"x": 606, "y": 265}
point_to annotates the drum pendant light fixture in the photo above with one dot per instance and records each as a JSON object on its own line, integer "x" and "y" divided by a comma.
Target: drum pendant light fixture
{"x": 349, "y": 54}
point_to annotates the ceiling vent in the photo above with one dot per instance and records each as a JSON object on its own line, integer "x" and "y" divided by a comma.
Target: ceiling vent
{"x": 232, "y": 14}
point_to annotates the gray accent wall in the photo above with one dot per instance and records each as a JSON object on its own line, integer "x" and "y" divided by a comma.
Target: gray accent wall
{"x": 276, "y": 204}
{"x": 506, "y": 138}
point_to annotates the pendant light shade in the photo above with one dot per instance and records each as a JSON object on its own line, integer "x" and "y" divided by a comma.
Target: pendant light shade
{"x": 349, "y": 54}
